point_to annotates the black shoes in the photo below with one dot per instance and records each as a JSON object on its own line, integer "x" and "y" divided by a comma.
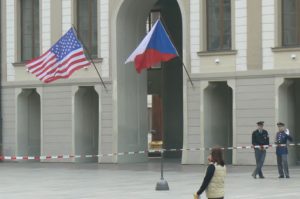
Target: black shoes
{"x": 283, "y": 177}
{"x": 254, "y": 176}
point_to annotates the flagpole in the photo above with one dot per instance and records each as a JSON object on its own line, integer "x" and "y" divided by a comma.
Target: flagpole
{"x": 168, "y": 33}
{"x": 186, "y": 71}
{"x": 90, "y": 58}
{"x": 162, "y": 185}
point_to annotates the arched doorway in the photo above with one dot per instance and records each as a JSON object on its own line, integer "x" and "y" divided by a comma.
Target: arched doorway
{"x": 289, "y": 112}
{"x": 29, "y": 123}
{"x": 132, "y": 88}
{"x": 218, "y": 130}
{"x": 86, "y": 123}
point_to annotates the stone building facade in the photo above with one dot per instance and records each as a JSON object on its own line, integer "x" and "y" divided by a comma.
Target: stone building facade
{"x": 242, "y": 56}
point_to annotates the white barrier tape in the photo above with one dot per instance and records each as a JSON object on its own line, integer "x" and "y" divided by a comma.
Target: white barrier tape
{"x": 137, "y": 152}
{"x": 154, "y": 151}
{"x": 42, "y": 157}
{"x": 7, "y": 157}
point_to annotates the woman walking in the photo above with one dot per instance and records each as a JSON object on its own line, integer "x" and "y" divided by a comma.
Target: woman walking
{"x": 213, "y": 183}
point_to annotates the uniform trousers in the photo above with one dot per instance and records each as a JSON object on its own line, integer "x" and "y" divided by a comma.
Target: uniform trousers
{"x": 282, "y": 165}
{"x": 260, "y": 155}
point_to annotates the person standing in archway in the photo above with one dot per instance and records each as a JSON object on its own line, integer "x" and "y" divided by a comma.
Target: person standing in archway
{"x": 282, "y": 137}
{"x": 260, "y": 138}
{"x": 213, "y": 183}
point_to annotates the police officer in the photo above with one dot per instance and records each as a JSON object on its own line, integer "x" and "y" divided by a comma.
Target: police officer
{"x": 260, "y": 137}
{"x": 282, "y": 137}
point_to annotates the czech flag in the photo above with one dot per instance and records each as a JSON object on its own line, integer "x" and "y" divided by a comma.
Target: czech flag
{"x": 155, "y": 47}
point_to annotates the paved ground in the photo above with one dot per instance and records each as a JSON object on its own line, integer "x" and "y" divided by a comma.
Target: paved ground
{"x": 134, "y": 181}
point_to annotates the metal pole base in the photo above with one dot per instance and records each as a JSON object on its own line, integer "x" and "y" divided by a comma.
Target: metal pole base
{"x": 162, "y": 185}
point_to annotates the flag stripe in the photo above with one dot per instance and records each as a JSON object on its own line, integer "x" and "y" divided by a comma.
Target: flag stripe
{"x": 43, "y": 69}
{"x": 57, "y": 65}
{"x": 151, "y": 57}
{"x": 58, "y": 71}
{"x": 74, "y": 64}
{"x": 42, "y": 62}
{"x": 51, "y": 61}
{"x": 63, "y": 69}
{"x": 55, "y": 70}
{"x": 67, "y": 62}
{"x": 67, "y": 74}
{"x": 38, "y": 59}
{"x": 142, "y": 46}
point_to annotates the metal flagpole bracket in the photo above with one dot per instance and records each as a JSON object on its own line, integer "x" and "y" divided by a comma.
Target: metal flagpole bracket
{"x": 162, "y": 185}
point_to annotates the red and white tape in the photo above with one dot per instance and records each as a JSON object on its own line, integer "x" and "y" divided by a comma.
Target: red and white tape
{"x": 48, "y": 157}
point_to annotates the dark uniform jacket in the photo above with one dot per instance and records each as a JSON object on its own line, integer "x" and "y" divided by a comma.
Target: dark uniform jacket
{"x": 260, "y": 138}
{"x": 282, "y": 138}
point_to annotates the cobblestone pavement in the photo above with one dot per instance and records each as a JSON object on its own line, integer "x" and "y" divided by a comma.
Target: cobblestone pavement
{"x": 135, "y": 181}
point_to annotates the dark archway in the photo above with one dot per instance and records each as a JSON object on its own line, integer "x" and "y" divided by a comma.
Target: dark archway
{"x": 86, "y": 123}
{"x": 169, "y": 77}
{"x": 218, "y": 117}
{"x": 29, "y": 123}
{"x": 132, "y": 88}
{"x": 289, "y": 113}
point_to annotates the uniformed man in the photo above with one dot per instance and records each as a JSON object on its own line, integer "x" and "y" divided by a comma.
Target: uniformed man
{"x": 260, "y": 138}
{"x": 282, "y": 137}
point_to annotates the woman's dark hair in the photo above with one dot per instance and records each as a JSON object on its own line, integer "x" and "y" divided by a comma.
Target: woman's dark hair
{"x": 217, "y": 156}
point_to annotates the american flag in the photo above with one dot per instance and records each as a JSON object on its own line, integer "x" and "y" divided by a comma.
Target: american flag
{"x": 60, "y": 61}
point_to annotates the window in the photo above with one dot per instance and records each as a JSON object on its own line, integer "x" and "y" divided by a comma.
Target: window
{"x": 291, "y": 23}
{"x": 218, "y": 25}
{"x": 30, "y": 33}
{"x": 152, "y": 18}
{"x": 87, "y": 25}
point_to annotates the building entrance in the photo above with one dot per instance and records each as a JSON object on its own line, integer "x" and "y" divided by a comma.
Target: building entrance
{"x": 164, "y": 81}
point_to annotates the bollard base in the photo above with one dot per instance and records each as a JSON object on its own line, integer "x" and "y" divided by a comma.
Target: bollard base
{"x": 162, "y": 185}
